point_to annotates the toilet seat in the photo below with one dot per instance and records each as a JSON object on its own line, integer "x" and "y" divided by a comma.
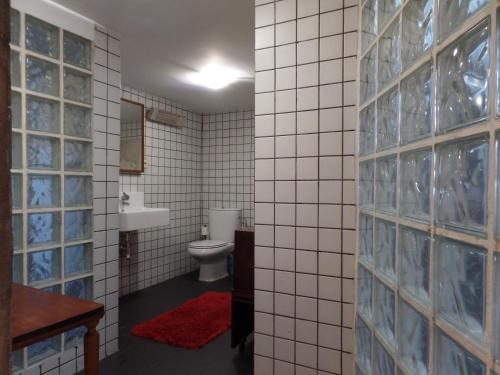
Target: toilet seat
{"x": 210, "y": 248}
{"x": 207, "y": 244}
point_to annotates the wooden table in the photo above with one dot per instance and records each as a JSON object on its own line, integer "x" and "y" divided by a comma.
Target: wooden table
{"x": 38, "y": 315}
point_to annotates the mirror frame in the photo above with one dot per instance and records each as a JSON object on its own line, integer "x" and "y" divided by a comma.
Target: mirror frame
{"x": 135, "y": 171}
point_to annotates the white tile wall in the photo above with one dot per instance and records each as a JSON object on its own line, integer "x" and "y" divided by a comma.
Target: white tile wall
{"x": 207, "y": 163}
{"x": 106, "y": 224}
{"x": 304, "y": 186}
{"x": 171, "y": 179}
{"x": 228, "y": 162}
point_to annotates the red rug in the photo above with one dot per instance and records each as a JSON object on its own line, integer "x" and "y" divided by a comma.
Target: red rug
{"x": 193, "y": 324}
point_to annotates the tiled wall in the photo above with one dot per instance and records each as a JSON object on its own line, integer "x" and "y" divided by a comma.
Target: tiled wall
{"x": 107, "y": 92}
{"x": 171, "y": 179}
{"x": 228, "y": 163}
{"x": 305, "y": 118}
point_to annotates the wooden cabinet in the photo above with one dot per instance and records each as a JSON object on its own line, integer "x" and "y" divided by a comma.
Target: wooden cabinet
{"x": 242, "y": 299}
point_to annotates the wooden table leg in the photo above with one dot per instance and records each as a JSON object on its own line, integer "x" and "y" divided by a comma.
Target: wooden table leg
{"x": 91, "y": 348}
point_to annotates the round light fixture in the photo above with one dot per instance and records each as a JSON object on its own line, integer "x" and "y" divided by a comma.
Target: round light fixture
{"x": 214, "y": 76}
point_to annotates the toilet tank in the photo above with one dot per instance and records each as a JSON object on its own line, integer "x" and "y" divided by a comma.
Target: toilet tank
{"x": 222, "y": 222}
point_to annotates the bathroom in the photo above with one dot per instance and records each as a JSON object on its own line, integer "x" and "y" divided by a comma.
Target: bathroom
{"x": 265, "y": 187}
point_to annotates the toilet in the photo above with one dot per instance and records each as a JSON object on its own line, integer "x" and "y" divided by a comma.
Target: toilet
{"x": 212, "y": 253}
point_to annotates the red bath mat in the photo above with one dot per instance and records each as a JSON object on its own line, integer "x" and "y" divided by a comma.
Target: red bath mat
{"x": 193, "y": 324}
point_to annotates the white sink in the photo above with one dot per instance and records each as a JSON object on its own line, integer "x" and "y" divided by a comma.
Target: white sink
{"x": 134, "y": 216}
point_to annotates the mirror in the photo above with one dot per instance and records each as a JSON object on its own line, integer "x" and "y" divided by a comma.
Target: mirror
{"x": 131, "y": 137}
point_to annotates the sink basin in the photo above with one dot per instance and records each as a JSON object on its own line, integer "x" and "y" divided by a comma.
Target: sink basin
{"x": 135, "y": 216}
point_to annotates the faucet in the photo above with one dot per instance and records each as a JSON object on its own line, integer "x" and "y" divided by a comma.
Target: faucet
{"x": 124, "y": 199}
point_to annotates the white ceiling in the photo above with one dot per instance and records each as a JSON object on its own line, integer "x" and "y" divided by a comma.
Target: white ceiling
{"x": 163, "y": 40}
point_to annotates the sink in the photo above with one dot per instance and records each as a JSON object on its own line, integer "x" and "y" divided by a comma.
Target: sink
{"x": 135, "y": 216}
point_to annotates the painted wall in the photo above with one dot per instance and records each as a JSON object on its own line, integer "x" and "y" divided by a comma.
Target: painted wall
{"x": 305, "y": 117}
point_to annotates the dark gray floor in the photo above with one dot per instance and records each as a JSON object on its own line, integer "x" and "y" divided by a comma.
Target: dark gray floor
{"x": 139, "y": 356}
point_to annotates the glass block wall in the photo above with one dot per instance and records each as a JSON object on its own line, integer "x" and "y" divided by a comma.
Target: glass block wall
{"x": 427, "y": 262}
{"x": 51, "y": 78}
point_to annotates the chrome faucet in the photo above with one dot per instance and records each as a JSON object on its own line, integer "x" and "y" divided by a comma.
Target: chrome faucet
{"x": 124, "y": 199}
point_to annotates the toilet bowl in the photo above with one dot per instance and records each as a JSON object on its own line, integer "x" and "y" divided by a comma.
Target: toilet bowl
{"x": 212, "y": 256}
{"x": 212, "y": 253}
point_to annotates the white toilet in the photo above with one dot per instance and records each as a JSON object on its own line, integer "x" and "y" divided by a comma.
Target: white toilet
{"x": 212, "y": 253}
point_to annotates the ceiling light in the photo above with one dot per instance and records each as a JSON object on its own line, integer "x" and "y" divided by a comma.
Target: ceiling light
{"x": 214, "y": 76}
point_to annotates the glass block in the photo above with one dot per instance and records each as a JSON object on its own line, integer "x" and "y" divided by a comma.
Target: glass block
{"x": 44, "y": 191}
{"x": 496, "y": 306}
{"x": 385, "y": 311}
{"x": 42, "y": 114}
{"x": 77, "y": 225}
{"x": 452, "y": 358}
{"x": 16, "y": 183}
{"x": 498, "y": 63}
{"x": 77, "y": 50}
{"x": 385, "y": 248}
{"x": 368, "y": 24}
{"x": 16, "y": 359}
{"x": 52, "y": 289}
{"x": 388, "y": 119}
{"x": 17, "y": 268}
{"x": 413, "y": 342}
{"x": 415, "y": 189}
{"x": 461, "y": 185}
{"x": 416, "y": 101}
{"x": 77, "y": 259}
{"x": 15, "y": 68}
{"x": 364, "y": 295}
{"x": 17, "y": 151}
{"x": 42, "y": 37}
{"x": 417, "y": 30}
{"x": 81, "y": 288}
{"x": 463, "y": 71}
{"x": 365, "y": 233}
{"x": 15, "y": 26}
{"x": 77, "y": 121}
{"x": 389, "y": 59}
{"x": 44, "y": 266}
{"x": 77, "y": 191}
{"x": 367, "y": 130}
{"x": 453, "y": 13}
{"x": 43, "y": 349}
{"x": 17, "y": 231}
{"x": 497, "y": 185}
{"x": 386, "y": 8}
{"x": 43, "y": 228}
{"x": 77, "y": 156}
{"x": 363, "y": 345}
{"x": 368, "y": 72}
{"x": 366, "y": 174}
{"x": 15, "y": 109}
{"x": 383, "y": 364}
{"x": 43, "y": 152}
{"x": 42, "y": 76}
{"x": 77, "y": 86}
{"x": 460, "y": 286}
{"x": 74, "y": 337}
{"x": 385, "y": 184}
{"x": 414, "y": 252}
